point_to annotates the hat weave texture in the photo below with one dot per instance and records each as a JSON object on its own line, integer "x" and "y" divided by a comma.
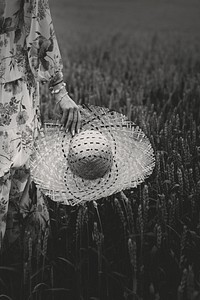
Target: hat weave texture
{"x": 110, "y": 154}
{"x": 90, "y": 155}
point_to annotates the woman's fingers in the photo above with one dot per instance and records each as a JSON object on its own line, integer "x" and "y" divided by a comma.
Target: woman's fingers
{"x": 71, "y": 117}
{"x": 74, "y": 122}
{"x": 64, "y": 117}
{"x": 69, "y": 120}
{"x": 78, "y": 123}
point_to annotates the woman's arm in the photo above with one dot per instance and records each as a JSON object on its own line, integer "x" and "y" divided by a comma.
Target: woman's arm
{"x": 45, "y": 58}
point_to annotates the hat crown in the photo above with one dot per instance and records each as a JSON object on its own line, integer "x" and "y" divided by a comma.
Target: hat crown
{"x": 90, "y": 155}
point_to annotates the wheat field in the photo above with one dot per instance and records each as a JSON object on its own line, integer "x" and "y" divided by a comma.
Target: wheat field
{"x": 142, "y": 243}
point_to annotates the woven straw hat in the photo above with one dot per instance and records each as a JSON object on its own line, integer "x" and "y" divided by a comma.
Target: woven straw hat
{"x": 109, "y": 154}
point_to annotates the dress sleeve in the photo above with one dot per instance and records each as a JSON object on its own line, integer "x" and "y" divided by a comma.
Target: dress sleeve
{"x": 43, "y": 51}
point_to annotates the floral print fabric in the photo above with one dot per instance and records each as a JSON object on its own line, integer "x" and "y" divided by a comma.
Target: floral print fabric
{"x": 22, "y": 206}
{"x": 28, "y": 45}
{"x": 29, "y": 54}
{"x": 19, "y": 121}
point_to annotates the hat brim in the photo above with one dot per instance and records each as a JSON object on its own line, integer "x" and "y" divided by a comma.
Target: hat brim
{"x": 133, "y": 158}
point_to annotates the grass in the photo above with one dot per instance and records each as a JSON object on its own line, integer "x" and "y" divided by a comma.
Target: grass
{"x": 142, "y": 243}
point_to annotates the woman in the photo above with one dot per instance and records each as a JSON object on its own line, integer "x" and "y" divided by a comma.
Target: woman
{"x": 29, "y": 54}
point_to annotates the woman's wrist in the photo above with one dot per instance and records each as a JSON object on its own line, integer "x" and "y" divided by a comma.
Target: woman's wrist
{"x": 61, "y": 93}
{"x": 61, "y": 96}
{"x": 58, "y": 88}
{"x": 57, "y": 83}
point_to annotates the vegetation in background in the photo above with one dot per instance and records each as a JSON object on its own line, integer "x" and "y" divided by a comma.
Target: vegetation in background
{"x": 142, "y": 243}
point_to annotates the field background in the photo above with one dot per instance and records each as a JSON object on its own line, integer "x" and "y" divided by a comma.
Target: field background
{"x": 141, "y": 58}
{"x": 91, "y": 21}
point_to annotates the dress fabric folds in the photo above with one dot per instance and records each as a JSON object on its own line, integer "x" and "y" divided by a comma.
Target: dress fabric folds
{"x": 29, "y": 54}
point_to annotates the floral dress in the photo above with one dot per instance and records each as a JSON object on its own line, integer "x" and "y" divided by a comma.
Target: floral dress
{"x": 29, "y": 54}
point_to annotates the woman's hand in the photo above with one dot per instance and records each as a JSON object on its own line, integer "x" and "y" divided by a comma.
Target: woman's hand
{"x": 71, "y": 117}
